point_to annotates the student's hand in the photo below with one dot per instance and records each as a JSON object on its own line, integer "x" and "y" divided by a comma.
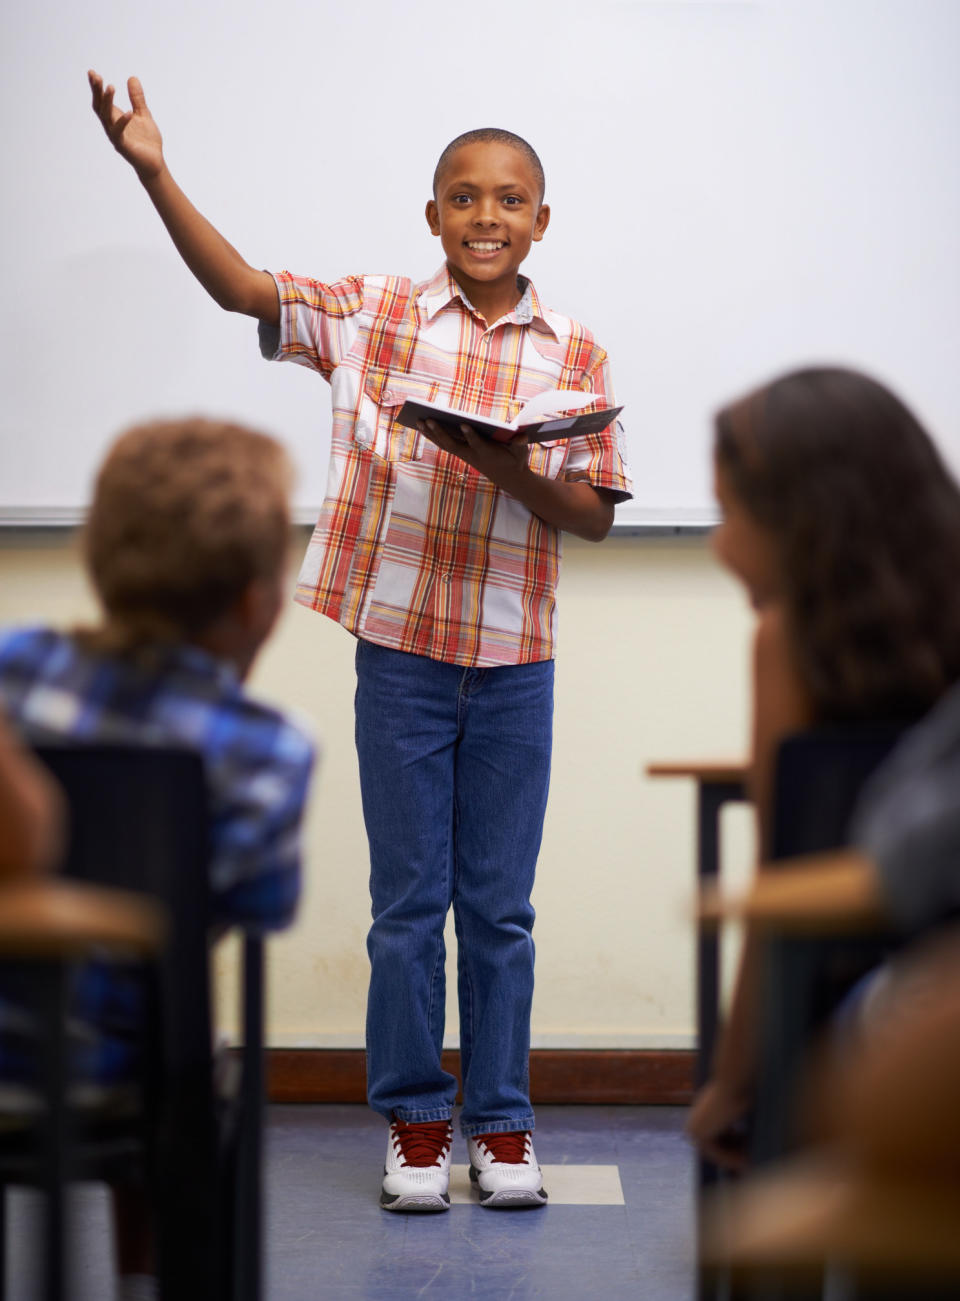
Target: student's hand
{"x": 134, "y": 135}
{"x": 497, "y": 461}
{"x": 715, "y": 1124}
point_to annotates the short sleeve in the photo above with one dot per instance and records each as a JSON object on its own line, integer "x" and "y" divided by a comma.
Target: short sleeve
{"x": 908, "y": 820}
{"x": 318, "y": 322}
{"x": 599, "y": 459}
{"x": 257, "y": 806}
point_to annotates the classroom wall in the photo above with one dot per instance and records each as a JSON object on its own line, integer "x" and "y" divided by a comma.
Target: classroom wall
{"x": 652, "y": 664}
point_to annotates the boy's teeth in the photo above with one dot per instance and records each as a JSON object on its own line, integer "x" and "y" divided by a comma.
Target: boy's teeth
{"x": 485, "y": 245}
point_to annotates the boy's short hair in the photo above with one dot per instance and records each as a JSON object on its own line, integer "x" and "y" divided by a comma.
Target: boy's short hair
{"x": 491, "y": 135}
{"x": 185, "y": 515}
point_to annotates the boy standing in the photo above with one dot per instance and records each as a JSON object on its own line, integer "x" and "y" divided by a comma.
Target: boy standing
{"x": 440, "y": 554}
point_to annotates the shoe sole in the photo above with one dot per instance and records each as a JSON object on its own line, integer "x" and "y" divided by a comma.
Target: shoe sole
{"x": 513, "y": 1199}
{"x": 508, "y": 1199}
{"x": 415, "y": 1202}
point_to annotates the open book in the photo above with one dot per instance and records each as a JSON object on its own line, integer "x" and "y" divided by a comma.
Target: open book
{"x": 539, "y": 419}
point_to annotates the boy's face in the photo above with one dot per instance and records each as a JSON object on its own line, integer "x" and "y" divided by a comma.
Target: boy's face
{"x": 487, "y": 213}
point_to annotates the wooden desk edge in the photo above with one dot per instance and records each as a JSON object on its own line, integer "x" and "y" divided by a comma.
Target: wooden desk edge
{"x": 709, "y": 771}
{"x": 54, "y": 917}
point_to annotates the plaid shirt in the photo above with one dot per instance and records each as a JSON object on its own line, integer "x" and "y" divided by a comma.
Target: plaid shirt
{"x": 257, "y": 768}
{"x": 414, "y": 549}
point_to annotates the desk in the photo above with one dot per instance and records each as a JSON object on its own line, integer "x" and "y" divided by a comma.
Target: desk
{"x": 718, "y": 783}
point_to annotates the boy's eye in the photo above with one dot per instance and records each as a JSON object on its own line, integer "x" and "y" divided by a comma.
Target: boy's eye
{"x": 513, "y": 200}
{"x": 461, "y": 199}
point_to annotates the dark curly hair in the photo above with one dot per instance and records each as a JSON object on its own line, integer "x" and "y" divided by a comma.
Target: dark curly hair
{"x": 866, "y": 521}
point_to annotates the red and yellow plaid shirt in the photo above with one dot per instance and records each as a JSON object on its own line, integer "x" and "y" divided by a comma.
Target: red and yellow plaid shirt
{"x": 413, "y": 548}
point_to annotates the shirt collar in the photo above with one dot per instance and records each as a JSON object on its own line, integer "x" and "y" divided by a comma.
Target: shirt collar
{"x": 442, "y": 290}
{"x": 190, "y": 659}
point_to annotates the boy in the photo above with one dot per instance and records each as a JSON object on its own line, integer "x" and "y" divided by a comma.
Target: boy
{"x": 185, "y": 544}
{"x": 440, "y": 554}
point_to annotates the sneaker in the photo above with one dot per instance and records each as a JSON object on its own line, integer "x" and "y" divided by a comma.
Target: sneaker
{"x": 504, "y": 1170}
{"x": 416, "y": 1176}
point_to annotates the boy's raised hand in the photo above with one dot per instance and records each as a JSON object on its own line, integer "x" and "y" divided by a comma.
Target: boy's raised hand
{"x": 134, "y": 134}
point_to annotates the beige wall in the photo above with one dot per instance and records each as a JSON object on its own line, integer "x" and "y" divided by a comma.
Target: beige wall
{"x": 652, "y": 664}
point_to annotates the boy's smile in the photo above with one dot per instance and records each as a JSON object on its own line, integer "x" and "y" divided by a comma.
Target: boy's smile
{"x": 487, "y": 213}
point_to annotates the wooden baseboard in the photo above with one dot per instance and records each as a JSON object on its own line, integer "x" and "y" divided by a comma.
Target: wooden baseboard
{"x": 611, "y": 1076}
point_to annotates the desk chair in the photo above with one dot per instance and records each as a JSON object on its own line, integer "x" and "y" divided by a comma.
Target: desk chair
{"x": 718, "y": 783}
{"x": 882, "y": 1199}
{"x": 49, "y": 924}
{"x": 818, "y": 778}
{"x": 138, "y": 820}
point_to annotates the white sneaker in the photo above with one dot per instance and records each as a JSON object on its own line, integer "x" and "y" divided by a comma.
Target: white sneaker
{"x": 416, "y": 1176}
{"x": 504, "y": 1170}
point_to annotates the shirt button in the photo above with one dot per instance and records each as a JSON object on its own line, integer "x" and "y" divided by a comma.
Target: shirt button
{"x": 444, "y": 578}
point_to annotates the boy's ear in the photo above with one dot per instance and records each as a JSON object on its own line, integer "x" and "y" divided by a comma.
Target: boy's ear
{"x": 263, "y": 604}
{"x": 542, "y": 221}
{"x": 433, "y": 217}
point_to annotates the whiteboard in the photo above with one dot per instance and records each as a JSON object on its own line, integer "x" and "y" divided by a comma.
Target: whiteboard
{"x": 737, "y": 187}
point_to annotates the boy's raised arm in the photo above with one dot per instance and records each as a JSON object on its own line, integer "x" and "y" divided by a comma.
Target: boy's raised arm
{"x": 230, "y": 281}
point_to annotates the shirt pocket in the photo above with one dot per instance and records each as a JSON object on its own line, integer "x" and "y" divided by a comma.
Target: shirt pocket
{"x": 384, "y": 393}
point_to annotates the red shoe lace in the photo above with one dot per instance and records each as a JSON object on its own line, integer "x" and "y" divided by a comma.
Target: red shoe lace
{"x": 423, "y": 1144}
{"x": 510, "y": 1149}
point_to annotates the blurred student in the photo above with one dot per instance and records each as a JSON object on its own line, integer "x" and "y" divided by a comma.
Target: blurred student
{"x": 186, "y": 548}
{"x": 843, "y": 525}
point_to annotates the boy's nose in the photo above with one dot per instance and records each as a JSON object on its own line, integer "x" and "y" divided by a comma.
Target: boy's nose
{"x": 486, "y": 215}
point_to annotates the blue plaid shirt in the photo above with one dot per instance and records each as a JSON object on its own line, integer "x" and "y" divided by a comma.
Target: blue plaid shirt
{"x": 257, "y": 766}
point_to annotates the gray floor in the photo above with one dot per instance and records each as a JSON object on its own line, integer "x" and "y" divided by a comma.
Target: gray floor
{"x": 327, "y": 1237}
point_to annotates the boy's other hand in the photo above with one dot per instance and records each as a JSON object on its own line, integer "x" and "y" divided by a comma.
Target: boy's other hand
{"x": 497, "y": 461}
{"x": 134, "y": 134}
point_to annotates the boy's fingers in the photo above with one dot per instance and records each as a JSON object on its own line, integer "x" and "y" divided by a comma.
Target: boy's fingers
{"x": 118, "y": 126}
{"x": 138, "y": 101}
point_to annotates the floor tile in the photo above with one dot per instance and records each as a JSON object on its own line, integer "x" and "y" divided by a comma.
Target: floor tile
{"x": 566, "y": 1185}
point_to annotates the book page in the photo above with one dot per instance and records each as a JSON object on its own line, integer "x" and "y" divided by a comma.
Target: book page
{"x": 553, "y": 402}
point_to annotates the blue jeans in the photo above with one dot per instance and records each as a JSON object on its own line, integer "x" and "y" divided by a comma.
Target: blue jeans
{"x": 454, "y": 772}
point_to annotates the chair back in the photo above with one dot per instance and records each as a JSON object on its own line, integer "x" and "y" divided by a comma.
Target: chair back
{"x": 818, "y": 778}
{"x": 138, "y": 820}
